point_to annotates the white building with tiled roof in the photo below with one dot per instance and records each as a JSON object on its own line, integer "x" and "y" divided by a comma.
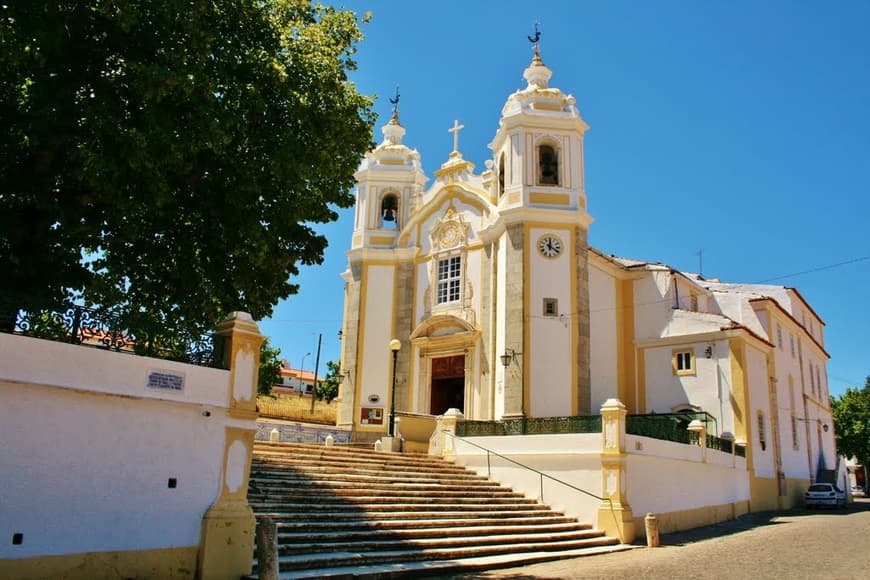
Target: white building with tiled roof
{"x": 750, "y": 355}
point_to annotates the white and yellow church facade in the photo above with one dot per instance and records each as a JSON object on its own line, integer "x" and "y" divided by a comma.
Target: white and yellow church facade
{"x": 502, "y": 310}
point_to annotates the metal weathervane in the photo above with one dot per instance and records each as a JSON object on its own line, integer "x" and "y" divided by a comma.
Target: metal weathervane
{"x": 535, "y": 40}
{"x": 395, "y": 103}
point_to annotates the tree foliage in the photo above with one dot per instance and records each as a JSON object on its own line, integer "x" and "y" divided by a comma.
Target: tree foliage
{"x": 328, "y": 388}
{"x": 852, "y": 422}
{"x": 168, "y": 157}
{"x": 270, "y": 368}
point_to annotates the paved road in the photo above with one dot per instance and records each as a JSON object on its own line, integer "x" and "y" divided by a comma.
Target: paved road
{"x": 792, "y": 544}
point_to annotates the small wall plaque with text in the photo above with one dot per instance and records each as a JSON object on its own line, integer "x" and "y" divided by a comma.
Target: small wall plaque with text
{"x": 166, "y": 381}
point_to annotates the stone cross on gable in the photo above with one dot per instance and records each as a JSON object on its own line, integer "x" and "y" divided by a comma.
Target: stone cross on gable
{"x": 455, "y": 130}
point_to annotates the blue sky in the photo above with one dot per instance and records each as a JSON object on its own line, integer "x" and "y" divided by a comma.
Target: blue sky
{"x": 738, "y": 128}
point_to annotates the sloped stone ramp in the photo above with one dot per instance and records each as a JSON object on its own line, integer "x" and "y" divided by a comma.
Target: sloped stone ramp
{"x": 353, "y": 513}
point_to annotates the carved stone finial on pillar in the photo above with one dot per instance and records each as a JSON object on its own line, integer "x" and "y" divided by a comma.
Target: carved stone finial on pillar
{"x": 698, "y": 432}
{"x": 613, "y": 415}
{"x": 242, "y": 349}
{"x": 448, "y": 423}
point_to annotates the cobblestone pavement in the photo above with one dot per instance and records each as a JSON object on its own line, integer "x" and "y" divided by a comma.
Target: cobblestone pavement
{"x": 791, "y": 544}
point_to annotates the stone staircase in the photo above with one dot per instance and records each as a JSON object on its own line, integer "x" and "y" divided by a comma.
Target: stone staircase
{"x": 352, "y": 513}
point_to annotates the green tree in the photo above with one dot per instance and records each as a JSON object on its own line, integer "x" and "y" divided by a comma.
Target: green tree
{"x": 852, "y": 422}
{"x": 328, "y": 388}
{"x": 270, "y": 368}
{"x": 168, "y": 157}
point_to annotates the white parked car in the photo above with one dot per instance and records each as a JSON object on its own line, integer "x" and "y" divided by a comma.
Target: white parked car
{"x": 824, "y": 494}
{"x": 857, "y": 491}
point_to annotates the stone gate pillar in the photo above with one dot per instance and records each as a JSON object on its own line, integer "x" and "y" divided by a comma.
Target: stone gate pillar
{"x": 227, "y": 542}
{"x": 614, "y": 516}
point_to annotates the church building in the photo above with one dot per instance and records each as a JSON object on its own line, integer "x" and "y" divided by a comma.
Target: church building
{"x": 497, "y": 306}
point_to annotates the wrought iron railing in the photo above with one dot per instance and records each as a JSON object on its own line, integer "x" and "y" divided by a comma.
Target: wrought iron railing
{"x": 106, "y": 330}
{"x": 719, "y": 444}
{"x": 530, "y": 426}
{"x": 674, "y": 427}
{"x": 664, "y": 427}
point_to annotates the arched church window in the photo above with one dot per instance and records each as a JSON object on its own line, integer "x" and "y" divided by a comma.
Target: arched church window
{"x": 501, "y": 175}
{"x": 390, "y": 211}
{"x": 548, "y": 165}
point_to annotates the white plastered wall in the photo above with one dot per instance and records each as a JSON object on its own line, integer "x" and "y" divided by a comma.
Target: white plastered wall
{"x": 571, "y": 458}
{"x": 790, "y": 403}
{"x": 603, "y": 332}
{"x": 668, "y": 477}
{"x": 652, "y": 304}
{"x": 376, "y": 333}
{"x": 550, "y": 344}
{"x": 88, "y": 449}
{"x": 759, "y": 401}
{"x": 708, "y": 388}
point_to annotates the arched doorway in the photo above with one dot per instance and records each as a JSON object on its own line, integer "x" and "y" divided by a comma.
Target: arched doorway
{"x": 448, "y": 384}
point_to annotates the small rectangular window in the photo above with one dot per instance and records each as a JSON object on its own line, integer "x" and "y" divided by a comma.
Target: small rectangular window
{"x": 551, "y": 307}
{"x": 791, "y": 341}
{"x": 684, "y": 362}
{"x": 779, "y": 336}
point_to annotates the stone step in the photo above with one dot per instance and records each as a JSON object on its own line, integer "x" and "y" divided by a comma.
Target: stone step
{"x": 315, "y": 509}
{"x": 323, "y": 472}
{"x": 429, "y": 532}
{"x": 364, "y": 482}
{"x": 377, "y": 502}
{"x": 443, "y": 568}
{"x": 412, "y": 492}
{"x": 351, "y": 513}
{"x": 333, "y": 559}
{"x": 292, "y": 525}
{"x": 384, "y": 541}
{"x": 321, "y": 459}
{"x": 314, "y": 464}
{"x": 372, "y": 469}
{"x": 423, "y": 533}
{"x": 323, "y": 452}
{"x": 387, "y": 515}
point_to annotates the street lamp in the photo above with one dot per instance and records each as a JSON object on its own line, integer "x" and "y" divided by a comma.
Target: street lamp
{"x": 395, "y": 345}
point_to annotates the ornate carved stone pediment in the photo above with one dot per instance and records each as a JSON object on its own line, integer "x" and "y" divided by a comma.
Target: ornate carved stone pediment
{"x": 451, "y": 231}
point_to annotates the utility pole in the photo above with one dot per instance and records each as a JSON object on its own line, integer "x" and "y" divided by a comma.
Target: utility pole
{"x": 316, "y": 368}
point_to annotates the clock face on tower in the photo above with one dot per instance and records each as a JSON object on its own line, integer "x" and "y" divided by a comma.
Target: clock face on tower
{"x": 549, "y": 246}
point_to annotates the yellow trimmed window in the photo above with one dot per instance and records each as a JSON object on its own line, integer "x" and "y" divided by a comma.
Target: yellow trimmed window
{"x": 683, "y": 362}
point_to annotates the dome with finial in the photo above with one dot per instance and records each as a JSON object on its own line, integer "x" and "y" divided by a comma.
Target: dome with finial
{"x": 391, "y": 151}
{"x": 538, "y": 97}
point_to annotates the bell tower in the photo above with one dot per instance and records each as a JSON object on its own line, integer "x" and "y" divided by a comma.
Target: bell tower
{"x": 539, "y": 188}
{"x": 390, "y": 181}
